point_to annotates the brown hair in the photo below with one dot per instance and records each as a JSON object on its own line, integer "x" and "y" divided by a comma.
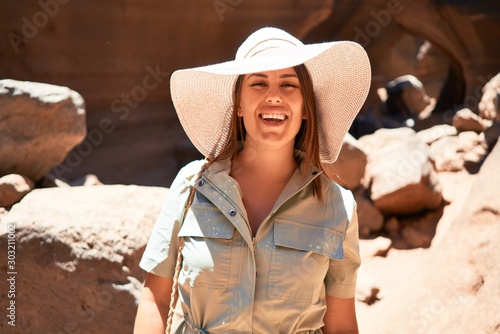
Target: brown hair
{"x": 307, "y": 138}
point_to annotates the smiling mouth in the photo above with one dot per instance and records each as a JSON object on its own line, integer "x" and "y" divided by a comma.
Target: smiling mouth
{"x": 273, "y": 118}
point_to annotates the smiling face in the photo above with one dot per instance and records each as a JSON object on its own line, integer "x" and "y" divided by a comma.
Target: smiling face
{"x": 271, "y": 106}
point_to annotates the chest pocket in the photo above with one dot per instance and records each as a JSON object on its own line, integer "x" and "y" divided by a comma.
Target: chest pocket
{"x": 300, "y": 260}
{"x": 207, "y": 247}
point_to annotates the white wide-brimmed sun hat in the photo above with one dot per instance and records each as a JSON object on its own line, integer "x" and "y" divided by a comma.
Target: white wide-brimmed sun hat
{"x": 340, "y": 73}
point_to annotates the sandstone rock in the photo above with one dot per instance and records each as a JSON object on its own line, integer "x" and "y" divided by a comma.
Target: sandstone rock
{"x": 399, "y": 176}
{"x": 406, "y": 95}
{"x": 415, "y": 237}
{"x": 469, "y": 54}
{"x": 369, "y": 217}
{"x": 3, "y": 213}
{"x": 40, "y": 124}
{"x": 83, "y": 245}
{"x": 444, "y": 153}
{"x": 430, "y": 67}
{"x": 391, "y": 225}
{"x": 442, "y": 298}
{"x": 374, "y": 247}
{"x": 491, "y": 135}
{"x": 436, "y": 132}
{"x": 13, "y": 187}
{"x": 86, "y": 180}
{"x": 467, "y": 46}
{"x": 483, "y": 196}
{"x": 466, "y": 120}
{"x": 468, "y": 140}
{"x": 451, "y": 153}
{"x": 350, "y": 166}
{"x": 489, "y": 107}
{"x": 474, "y": 158}
{"x": 415, "y": 231}
{"x": 50, "y": 181}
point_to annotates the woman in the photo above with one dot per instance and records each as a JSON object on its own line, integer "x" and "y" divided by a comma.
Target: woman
{"x": 268, "y": 243}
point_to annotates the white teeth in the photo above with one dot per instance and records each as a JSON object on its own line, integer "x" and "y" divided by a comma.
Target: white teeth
{"x": 279, "y": 117}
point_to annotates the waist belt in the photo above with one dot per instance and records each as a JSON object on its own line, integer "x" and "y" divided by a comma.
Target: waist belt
{"x": 188, "y": 327}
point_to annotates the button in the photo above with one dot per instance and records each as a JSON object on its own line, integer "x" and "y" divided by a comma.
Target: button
{"x": 232, "y": 212}
{"x": 315, "y": 172}
{"x": 201, "y": 183}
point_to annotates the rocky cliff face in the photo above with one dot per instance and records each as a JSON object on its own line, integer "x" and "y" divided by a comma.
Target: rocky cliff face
{"x": 434, "y": 39}
{"x": 103, "y": 50}
{"x": 120, "y": 54}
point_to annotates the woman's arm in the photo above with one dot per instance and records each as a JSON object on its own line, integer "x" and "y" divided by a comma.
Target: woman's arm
{"x": 340, "y": 316}
{"x": 154, "y": 305}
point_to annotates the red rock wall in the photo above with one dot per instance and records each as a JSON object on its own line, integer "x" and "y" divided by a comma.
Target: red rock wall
{"x": 104, "y": 48}
{"x": 119, "y": 54}
{"x": 464, "y": 33}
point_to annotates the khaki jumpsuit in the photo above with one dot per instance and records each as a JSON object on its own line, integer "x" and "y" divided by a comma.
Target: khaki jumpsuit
{"x": 276, "y": 282}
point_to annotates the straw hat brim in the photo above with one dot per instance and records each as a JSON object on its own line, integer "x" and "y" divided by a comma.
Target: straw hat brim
{"x": 341, "y": 76}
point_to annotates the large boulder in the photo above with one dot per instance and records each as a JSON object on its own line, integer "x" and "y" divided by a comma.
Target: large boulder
{"x": 436, "y": 132}
{"x": 349, "y": 168}
{"x": 40, "y": 124}
{"x": 489, "y": 107}
{"x": 13, "y": 187}
{"x": 466, "y": 120}
{"x": 406, "y": 98}
{"x": 369, "y": 216}
{"x": 399, "y": 175}
{"x": 454, "y": 286}
{"x": 77, "y": 254}
{"x": 454, "y": 153}
{"x": 492, "y": 134}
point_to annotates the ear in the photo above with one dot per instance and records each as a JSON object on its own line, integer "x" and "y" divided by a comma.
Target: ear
{"x": 239, "y": 113}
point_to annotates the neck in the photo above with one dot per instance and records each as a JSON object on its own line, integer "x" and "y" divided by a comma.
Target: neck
{"x": 278, "y": 163}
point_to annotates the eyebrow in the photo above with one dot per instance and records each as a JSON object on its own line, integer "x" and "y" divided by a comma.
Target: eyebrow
{"x": 262, "y": 75}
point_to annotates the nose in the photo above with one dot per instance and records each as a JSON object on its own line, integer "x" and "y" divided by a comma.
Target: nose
{"x": 273, "y": 95}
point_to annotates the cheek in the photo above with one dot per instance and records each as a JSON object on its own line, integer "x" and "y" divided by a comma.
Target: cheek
{"x": 299, "y": 106}
{"x": 248, "y": 104}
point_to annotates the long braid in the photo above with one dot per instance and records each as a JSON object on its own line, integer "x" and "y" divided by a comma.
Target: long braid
{"x": 175, "y": 286}
{"x": 174, "y": 294}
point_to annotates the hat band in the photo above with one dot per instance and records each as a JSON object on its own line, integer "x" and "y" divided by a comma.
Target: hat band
{"x": 268, "y": 44}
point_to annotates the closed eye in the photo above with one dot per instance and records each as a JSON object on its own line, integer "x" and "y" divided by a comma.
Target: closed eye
{"x": 258, "y": 84}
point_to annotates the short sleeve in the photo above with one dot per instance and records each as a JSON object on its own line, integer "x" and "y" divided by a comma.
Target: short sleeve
{"x": 341, "y": 277}
{"x": 160, "y": 255}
